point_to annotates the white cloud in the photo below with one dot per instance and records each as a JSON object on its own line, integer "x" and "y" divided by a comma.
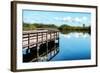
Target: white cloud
{"x": 71, "y": 19}
{"x": 77, "y": 19}
{"x": 84, "y": 18}
{"x": 67, "y": 19}
{"x": 66, "y": 36}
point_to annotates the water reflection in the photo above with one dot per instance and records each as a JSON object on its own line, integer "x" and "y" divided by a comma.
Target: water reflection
{"x": 74, "y": 46}
{"x": 46, "y": 52}
{"x": 70, "y": 31}
{"x": 75, "y": 34}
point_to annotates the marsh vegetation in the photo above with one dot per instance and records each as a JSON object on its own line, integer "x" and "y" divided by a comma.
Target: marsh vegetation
{"x": 64, "y": 28}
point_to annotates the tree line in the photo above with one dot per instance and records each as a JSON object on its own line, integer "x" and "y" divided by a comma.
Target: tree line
{"x": 63, "y": 27}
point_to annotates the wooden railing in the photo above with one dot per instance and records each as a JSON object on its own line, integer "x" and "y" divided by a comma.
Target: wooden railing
{"x": 31, "y": 39}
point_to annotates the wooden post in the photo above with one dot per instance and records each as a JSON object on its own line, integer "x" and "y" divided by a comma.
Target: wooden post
{"x": 58, "y": 39}
{"x": 37, "y": 48}
{"x": 42, "y": 37}
{"x": 50, "y": 49}
{"x": 50, "y": 35}
{"x": 47, "y": 44}
{"x": 28, "y": 40}
{"x": 27, "y": 51}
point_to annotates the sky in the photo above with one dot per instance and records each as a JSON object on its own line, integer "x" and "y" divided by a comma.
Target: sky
{"x": 57, "y": 17}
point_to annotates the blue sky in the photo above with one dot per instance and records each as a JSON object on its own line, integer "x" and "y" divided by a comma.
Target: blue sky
{"x": 58, "y": 18}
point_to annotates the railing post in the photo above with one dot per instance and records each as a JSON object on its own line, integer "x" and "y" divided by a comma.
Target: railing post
{"x": 47, "y": 44}
{"x": 37, "y": 44}
{"x": 28, "y": 50}
{"x": 28, "y": 40}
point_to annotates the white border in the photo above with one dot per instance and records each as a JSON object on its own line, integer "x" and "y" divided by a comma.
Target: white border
{"x": 21, "y": 65}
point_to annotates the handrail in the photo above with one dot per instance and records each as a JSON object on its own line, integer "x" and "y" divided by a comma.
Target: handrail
{"x": 29, "y": 37}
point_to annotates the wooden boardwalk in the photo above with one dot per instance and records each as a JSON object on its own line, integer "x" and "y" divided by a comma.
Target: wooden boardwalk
{"x": 31, "y": 38}
{"x": 40, "y": 43}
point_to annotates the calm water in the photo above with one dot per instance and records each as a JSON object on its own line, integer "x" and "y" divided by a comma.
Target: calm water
{"x": 74, "y": 46}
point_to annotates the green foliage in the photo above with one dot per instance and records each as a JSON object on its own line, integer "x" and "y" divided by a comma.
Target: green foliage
{"x": 63, "y": 28}
{"x": 76, "y": 28}
{"x": 27, "y": 26}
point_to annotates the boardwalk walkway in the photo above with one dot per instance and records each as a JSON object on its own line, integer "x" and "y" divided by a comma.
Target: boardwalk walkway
{"x": 40, "y": 45}
{"x": 31, "y": 38}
